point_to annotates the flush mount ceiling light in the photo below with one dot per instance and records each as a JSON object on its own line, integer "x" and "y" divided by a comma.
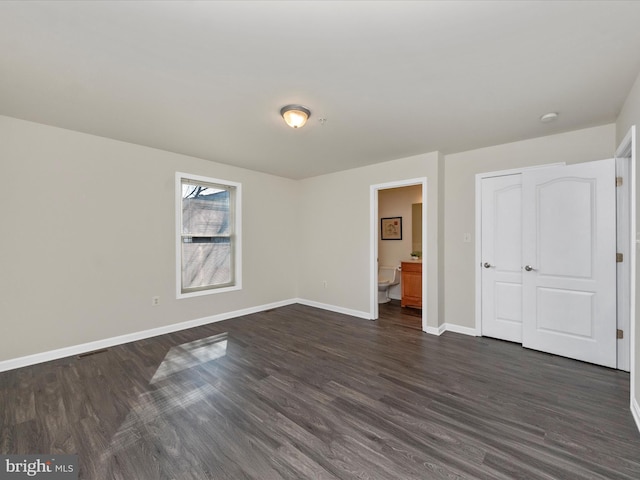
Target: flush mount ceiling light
{"x": 549, "y": 117}
{"x": 295, "y": 115}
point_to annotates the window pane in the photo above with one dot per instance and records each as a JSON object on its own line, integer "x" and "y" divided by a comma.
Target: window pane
{"x": 205, "y": 210}
{"x": 206, "y": 262}
{"x": 207, "y": 235}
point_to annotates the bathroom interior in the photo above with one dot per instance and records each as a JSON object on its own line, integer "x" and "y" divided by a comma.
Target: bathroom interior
{"x": 400, "y": 256}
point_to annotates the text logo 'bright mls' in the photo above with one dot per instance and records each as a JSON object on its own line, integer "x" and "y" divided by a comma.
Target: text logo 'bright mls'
{"x": 30, "y": 468}
{"x": 60, "y": 467}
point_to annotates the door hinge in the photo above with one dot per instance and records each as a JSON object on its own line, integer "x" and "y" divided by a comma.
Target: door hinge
{"x": 618, "y": 181}
{"x": 619, "y": 334}
{"x": 619, "y": 257}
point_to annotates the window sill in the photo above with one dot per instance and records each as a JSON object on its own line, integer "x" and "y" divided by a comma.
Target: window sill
{"x": 211, "y": 291}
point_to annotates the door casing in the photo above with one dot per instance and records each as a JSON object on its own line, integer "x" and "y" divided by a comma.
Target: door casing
{"x": 373, "y": 245}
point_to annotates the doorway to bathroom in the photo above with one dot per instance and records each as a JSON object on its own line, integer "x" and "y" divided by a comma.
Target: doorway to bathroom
{"x": 398, "y": 238}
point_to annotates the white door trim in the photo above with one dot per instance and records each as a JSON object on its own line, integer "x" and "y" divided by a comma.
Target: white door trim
{"x": 373, "y": 243}
{"x": 478, "y": 232}
{"x": 627, "y": 148}
{"x": 623, "y": 269}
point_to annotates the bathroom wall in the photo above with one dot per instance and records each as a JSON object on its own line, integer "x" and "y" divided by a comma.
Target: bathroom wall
{"x": 397, "y": 202}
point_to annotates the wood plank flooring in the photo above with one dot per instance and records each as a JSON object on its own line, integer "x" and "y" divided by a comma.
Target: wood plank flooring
{"x": 393, "y": 313}
{"x": 297, "y": 393}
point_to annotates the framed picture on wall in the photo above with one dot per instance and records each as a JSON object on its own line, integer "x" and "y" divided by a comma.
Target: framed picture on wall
{"x": 391, "y": 228}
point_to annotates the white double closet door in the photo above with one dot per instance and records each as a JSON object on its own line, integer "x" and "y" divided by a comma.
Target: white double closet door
{"x": 548, "y": 243}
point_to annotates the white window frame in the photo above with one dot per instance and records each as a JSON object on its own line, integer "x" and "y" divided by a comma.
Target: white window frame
{"x": 237, "y": 235}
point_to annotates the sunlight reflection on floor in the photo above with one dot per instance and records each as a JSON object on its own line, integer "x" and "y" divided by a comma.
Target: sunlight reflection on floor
{"x": 191, "y": 354}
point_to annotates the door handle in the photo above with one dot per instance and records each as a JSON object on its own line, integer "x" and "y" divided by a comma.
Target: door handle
{"x": 528, "y": 268}
{"x": 487, "y": 265}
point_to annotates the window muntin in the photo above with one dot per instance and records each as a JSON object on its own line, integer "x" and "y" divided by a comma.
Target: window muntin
{"x": 208, "y": 235}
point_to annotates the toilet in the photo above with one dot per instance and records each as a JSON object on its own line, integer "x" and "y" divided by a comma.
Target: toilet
{"x": 387, "y": 277}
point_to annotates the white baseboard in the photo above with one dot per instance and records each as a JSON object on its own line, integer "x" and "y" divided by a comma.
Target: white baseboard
{"x": 154, "y": 332}
{"x": 635, "y": 411}
{"x": 132, "y": 337}
{"x": 436, "y": 330}
{"x": 334, "y": 308}
{"x": 452, "y": 327}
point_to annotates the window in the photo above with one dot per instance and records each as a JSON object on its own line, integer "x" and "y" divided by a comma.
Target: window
{"x": 208, "y": 235}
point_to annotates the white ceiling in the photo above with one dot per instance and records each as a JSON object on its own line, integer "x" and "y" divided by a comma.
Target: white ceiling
{"x": 393, "y": 79}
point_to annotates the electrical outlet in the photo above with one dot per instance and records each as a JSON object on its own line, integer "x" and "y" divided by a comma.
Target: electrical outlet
{"x": 155, "y": 301}
{"x": 324, "y": 283}
{"x": 466, "y": 238}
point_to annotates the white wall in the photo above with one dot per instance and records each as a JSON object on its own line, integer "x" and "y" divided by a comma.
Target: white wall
{"x": 92, "y": 232}
{"x": 629, "y": 116}
{"x": 335, "y": 232}
{"x": 89, "y": 238}
{"x": 459, "y": 204}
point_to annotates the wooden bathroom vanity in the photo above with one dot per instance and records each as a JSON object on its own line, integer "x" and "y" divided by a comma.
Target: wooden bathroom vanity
{"x": 411, "y": 284}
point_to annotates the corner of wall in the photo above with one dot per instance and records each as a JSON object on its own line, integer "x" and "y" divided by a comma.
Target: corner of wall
{"x": 441, "y": 227}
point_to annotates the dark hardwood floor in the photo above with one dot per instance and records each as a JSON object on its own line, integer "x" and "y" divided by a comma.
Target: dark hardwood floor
{"x": 299, "y": 393}
{"x": 393, "y": 313}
